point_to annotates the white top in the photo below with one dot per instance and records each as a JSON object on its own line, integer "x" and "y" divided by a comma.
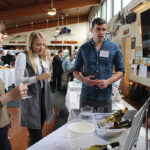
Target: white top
{"x": 21, "y": 65}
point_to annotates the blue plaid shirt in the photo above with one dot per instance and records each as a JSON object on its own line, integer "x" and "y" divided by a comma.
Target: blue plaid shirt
{"x": 99, "y": 66}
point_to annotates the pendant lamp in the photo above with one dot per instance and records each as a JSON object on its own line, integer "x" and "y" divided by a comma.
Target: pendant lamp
{"x": 51, "y": 10}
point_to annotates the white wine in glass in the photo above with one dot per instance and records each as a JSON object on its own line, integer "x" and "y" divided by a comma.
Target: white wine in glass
{"x": 22, "y": 77}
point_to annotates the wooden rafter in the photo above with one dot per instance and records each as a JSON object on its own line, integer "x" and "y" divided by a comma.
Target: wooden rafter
{"x": 4, "y": 3}
{"x": 39, "y": 9}
{"x": 43, "y": 25}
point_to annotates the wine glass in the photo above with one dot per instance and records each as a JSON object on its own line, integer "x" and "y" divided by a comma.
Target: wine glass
{"x": 22, "y": 76}
{"x": 49, "y": 71}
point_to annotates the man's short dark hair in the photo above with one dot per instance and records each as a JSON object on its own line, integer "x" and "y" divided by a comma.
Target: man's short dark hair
{"x": 98, "y": 21}
{"x": 60, "y": 51}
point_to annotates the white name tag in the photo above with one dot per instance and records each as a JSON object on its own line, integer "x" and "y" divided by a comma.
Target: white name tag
{"x": 104, "y": 53}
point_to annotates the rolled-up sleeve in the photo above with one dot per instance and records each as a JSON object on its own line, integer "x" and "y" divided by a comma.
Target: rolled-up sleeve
{"x": 78, "y": 60}
{"x": 118, "y": 62}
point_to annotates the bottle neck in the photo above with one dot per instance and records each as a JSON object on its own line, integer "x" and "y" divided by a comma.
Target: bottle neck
{"x": 125, "y": 110}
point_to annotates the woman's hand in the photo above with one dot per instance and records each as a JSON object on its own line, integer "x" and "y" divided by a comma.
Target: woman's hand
{"x": 44, "y": 76}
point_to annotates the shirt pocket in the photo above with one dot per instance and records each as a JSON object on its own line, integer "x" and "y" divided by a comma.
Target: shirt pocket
{"x": 91, "y": 64}
{"x": 104, "y": 65}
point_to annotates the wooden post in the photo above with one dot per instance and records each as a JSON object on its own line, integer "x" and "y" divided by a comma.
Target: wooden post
{"x": 126, "y": 47}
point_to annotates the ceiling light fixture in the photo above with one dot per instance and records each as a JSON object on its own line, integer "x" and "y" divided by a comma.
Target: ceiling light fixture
{"x": 17, "y": 28}
{"x": 47, "y": 23}
{"x": 5, "y": 35}
{"x": 51, "y": 11}
{"x": 58, "y": 29}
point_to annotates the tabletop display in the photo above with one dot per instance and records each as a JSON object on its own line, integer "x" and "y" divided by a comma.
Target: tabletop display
{"x": 109, "y": 130}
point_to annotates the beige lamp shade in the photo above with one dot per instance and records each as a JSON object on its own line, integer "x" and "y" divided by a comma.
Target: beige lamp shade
{"x": 52, "y": 11}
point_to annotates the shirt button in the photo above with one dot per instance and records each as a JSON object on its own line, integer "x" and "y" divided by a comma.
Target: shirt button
{"x": 96, "y": 88}
{"x": 97, "y": 63}
{"x": 97, "y": 71}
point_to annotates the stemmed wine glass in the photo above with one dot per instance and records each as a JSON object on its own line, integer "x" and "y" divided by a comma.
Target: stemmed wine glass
{"x": 22, "y": 77}
{"x": 49, "y": 71}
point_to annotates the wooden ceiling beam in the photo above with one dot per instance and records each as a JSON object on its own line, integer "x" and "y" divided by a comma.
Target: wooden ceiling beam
{"x": 5, "y": 4}
{"x": 44, "y": 25}
{"x": 42, "y": 8}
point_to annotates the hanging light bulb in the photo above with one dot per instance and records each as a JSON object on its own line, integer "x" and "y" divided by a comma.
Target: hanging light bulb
{"x": 78, "y": 25}
{"x": 78, "y": 15}
{"x": 57, "y": 29}
{"x": 32, "y": 26}
{"x": 47, "y": 23}
{"x": 66, "y": 33}
{"x": 17, "y": 28}
{"x": 51, "y": 11}
{"x": 5, "y": 35}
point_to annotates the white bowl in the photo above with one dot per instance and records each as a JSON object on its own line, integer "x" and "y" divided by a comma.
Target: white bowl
{"x": 80, "y": 128}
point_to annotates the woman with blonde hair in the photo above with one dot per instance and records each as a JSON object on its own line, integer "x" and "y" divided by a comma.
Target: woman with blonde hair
{"x": 35, "y": 110}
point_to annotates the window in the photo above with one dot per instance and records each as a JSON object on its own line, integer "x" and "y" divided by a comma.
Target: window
{"x": 108, "y": 10}
{"x": 116, "y": 6}
{"x": 125, "y": 2}
{"x": 104, "y": 10}
{"x": 96, "y": 14}
{"x": 90, "y": 24}
{"x": 99, "y": 12}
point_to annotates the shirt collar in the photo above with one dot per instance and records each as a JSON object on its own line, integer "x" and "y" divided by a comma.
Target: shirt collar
{"x": 92, "y": 41}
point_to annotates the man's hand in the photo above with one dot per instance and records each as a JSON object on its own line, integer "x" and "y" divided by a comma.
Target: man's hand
{"x": 102, "y": 83}
{"x": 89, "y": 82}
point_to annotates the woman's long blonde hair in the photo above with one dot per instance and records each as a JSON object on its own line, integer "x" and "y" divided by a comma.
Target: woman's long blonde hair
{"x": 34, "y": 36}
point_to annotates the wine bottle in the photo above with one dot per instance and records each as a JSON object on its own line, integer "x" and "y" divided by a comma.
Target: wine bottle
{"x": 123, "y": 124}
{"x": 103, "y": 147}
{"x": 115, "y": 117}
{"x": 119, "y": 116}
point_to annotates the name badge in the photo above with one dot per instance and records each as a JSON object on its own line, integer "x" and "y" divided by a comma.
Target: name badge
{"x": 104, "y": 53}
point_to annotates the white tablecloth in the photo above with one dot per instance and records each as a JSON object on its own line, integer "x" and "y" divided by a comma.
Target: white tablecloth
{"x": 7, "y": 76}
{"x": 73, "y": 98}
{"x": 73, "y": 95}
{"x": 61, "y": 139}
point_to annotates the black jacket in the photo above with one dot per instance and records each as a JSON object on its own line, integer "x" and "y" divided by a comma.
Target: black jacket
{"x": 8, "y": 59}
{"x": 57, "y": 65}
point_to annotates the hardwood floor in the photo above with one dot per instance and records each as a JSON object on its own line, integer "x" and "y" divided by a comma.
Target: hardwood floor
{"x": 18, "y": 135}
{"x": 135, "y": 104}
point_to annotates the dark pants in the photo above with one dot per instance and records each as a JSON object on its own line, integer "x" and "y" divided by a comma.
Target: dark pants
{"x": 102, "y": 106}
{"x": 56, "y": 81}
{"x": 36, "y": 134}
{"x": 4, "y": 142}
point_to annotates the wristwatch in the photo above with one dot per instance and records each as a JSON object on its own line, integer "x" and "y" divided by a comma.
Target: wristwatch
{"x": 1, "y": 105}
